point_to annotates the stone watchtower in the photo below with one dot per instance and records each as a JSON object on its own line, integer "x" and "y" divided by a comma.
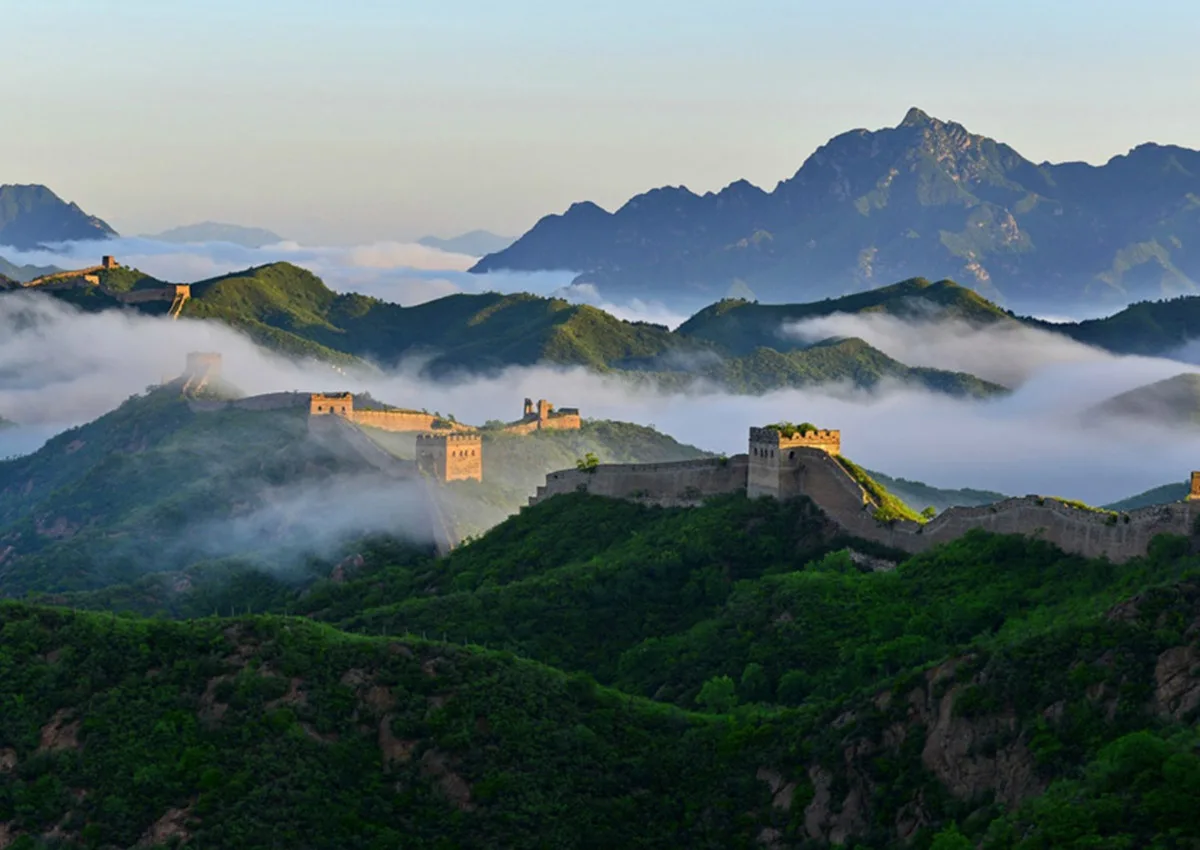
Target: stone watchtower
{"x": 108, "y": 262}
{"x": 450, "y": 457}
{"x": 775, "y": 457}
{"x": 202, "y": 368}
{"x": 1194, "y": 489}
{"x": 334, "y": 404}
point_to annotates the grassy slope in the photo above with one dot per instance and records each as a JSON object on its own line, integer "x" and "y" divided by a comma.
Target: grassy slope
{"x": 742, "y": 326}
{"x": 919, "y": 495}
{"x": 1154, "y": 496}
{"x": 1174, "y": 401}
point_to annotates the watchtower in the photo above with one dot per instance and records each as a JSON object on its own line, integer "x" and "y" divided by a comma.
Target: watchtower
{"x": 776, "y": 455}
{"x": 450, "y": 457}
{"x": 332, "y": 404}
{"x": 108, "y": 262}
{"x": 1194, "y": 491}
{"x": 202, "y": 367}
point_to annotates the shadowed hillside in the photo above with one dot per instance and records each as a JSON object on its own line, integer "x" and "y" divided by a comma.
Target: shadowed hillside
{"x": 926, "y": 197}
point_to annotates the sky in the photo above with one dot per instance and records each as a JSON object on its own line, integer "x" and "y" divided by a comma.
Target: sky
{"x": 358, "y": 121}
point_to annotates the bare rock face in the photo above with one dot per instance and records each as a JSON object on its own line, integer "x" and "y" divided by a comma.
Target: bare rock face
{"x": 1176, "y": 684}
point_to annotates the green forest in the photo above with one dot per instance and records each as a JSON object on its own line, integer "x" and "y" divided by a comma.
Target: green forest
{"x": 598, "y": 673}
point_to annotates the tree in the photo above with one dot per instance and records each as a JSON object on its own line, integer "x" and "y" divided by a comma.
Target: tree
{"x": 951, "y": 839}
{"x": 755, "y": 685}
{"x": 718, "y": 695}
{"x": 587, "y": 463}
{"x": 930, "y": 512}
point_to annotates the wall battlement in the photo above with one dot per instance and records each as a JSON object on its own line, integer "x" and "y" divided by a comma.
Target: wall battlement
{"x": 787, "y": 471}
{"x": 543, "y": 417}
{"x": 450, "y": 457}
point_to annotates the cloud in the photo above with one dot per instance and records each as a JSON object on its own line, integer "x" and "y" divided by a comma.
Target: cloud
{"x": 1007, "y": 353}
{"x": 59, "y": 367}
{"x": 635, "y": 310}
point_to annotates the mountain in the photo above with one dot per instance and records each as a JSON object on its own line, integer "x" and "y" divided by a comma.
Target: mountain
{"x": 477, "y": 243}
{"x": 291, "y": 310}
{"x": 920, "y": 495}
{"x": 189, "y": 487}
{"x": 33, "y": 216}
{"x": 1156, "y": 496}
{"x": 1174, "y": 401}
{"x": 213, "y": 231}
{"x": 26, "y": 273}
{"x": 608, "y": 674}
{"x": 926, "y": 197}
{"x": 1162, "y": 327}
{"x": 741, "y": 326}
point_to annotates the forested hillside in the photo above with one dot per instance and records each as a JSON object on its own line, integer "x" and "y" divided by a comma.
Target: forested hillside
{"x": 599, "y": 673}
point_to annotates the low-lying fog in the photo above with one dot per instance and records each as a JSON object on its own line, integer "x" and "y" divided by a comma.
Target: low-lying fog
{"x": 59, "y": 367}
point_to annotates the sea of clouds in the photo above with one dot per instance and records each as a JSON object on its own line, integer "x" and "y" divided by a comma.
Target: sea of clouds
{"x": 59, "y": 367}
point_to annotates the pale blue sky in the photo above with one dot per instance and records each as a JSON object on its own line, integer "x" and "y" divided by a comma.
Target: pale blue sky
{"x": 360, "y": 120}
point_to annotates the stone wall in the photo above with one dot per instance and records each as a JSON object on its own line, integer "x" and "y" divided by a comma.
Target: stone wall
{"x": 685, "y": 482}
{"x": 405, "y": 420}
{"x": 1083, "y": 532}
{"x": 450, "y": 457}
{"x": 816, "y": 474}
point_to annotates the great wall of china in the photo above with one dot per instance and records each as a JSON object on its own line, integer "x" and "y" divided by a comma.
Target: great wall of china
{"x": 806, "y": 465}
{"x": 177, "y": 294}
{"x": 783, "y": 466}
{"x": 446, "y": 450}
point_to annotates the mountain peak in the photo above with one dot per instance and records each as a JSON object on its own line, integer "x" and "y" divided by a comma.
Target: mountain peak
{"x": 916, "y": 118}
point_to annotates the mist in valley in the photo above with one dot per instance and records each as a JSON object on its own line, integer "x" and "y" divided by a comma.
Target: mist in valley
{"x": 59, "y": 368}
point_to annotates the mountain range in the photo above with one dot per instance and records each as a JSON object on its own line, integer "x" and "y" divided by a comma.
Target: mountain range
{"x": 477, "y": 243}
{"x": 924, "y": 198}
{"x": 32, "y": 216}
{"x": 736, "y": 344}
{"x": 214, "y": 231}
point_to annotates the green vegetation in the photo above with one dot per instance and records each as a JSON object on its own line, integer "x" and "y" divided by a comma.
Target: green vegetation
{"x": 808, "y": 667}
{"x": 1174, "y": 401}
{"x": 789, "y": 430}
{"x": 1155, "y": 496}
{"x": 741, "y": 326}
{"x": 888, "y": 507}
{"x": 290, "y": 310}
{"x": 1081, "y": 506}
{"x": 919, "y": 493}
{"x": 587, "y": 463}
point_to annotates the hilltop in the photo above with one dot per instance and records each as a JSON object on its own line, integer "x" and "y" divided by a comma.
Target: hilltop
{"x": 477, "y": 243}
{"x": 33, "y": 216}
{"x": 214, "y": 231}
{"x": 289, "y": 309}
{"x": 924, "y": 197}
{"x": 1174, "y": 401}
{"x": 23, "y": 274}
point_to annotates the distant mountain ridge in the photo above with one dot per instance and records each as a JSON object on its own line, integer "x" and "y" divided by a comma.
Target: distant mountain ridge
{"x": 215, "y": 231}
{"x": 925, "y": 198}
{"x": 477, "y": 243}
{"x": 32, "y": 216}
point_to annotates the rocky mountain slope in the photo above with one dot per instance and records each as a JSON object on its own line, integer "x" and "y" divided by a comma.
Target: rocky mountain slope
{"x": 926, "y": 197}
{"x": 32, "y": 216}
